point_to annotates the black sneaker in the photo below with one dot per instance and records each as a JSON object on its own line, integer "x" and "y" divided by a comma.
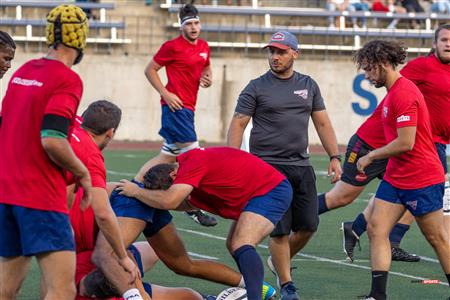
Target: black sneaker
{"x": 349, "y": 239}
{"x": 398, "y": 254}
{"x": 202, "y": 218}
{"x": 289, "y": 292}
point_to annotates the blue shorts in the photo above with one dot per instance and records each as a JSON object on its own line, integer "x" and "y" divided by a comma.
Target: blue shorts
{"x": 26, "y": 231}
{"x": 137, "y": 257}
{"x": 274, "y": 204}
{"x": 418, "y": 201}
{"x": 441, "y": 151}
{"x": 128, "y": 207}
{"x": 177, "y": 126}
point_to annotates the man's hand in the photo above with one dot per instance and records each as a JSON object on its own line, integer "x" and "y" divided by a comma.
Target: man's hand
{"x": 172, "y": 101}
{"x": 127, "y": 188}
{"x": 205, "y": 80}
{"x": 131, "y": 268}
{"x": 85, "y": 182}
{"x": 363, "y": 162}
{"x": 335, "y": 169}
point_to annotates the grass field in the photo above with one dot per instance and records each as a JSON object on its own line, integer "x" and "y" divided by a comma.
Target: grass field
{"x": 321, "y": 270}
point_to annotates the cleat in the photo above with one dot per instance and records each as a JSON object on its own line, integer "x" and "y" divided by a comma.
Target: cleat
{"x": 209, "y": 297}
{"x": 202, "y": 218}
{"x": 289, "y": 292}
{"x": 349, "y": 240}
{"x": 366, "y": 298}
{"x": 398, "y": 254}
{"x": 268, "y": 292}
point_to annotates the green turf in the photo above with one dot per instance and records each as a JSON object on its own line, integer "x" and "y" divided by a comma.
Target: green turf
{"x": 321, "y": 273}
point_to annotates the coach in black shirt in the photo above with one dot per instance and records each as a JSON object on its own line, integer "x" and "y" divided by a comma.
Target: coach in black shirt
{"x": 281, "y": 102}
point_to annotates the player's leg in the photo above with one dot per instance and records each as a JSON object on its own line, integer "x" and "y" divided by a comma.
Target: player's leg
{"x": 385, "y": 215}
{"x": 148, "y": 255}
{"x": 340, "y": 195}
{"x": 171, "y": 251}
{"x": 167, "y": 293}
{"x": 13, "y": 265}
{"x": 58, "y": 271}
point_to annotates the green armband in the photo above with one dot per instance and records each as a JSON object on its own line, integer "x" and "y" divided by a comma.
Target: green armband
{"x": 53, "y": 133}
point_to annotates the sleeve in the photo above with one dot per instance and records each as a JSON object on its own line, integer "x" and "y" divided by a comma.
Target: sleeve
{"x": 406, "y": 110}
{"x": 96, "y": 167}
{"x": 208, "y": 62}
{"x": 246, "y": 103}
{"x": 191, "y": 172}
{"x": 65, "y": 98}
{"x": 164, "y": 56}
{"x": 415, "y": 70}
{"x": 317, "y": 101}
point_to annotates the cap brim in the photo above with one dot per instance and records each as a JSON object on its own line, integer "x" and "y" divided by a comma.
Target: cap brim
{"x": 277, "y": 45}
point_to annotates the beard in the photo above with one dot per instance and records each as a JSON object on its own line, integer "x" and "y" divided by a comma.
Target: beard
{"x": 444, "y": 60}
{"x": 281, "y": 70}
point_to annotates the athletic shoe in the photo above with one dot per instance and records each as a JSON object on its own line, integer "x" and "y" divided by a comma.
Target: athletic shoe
{"x": 289, "y": 292}
{"x": 209, "y": 297}
{"x": 202, "y": 218}
{"x": 398, "y": 254}
{"x": 272, "y": 269}
{"x": 349, "y": 239}
{"x": 366, "y": 298}
{"x": 268, "y": 291}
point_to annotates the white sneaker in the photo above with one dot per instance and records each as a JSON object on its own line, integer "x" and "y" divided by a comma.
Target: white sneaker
{"x": 272, "y": 269}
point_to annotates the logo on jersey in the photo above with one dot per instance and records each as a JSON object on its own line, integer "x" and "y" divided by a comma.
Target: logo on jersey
{"x": 302, "y": 93}
{"x": 403, "y": 118}
{"x": 204, "y": 55}
{"x": 412, "y": 204}
{"x": 27, "y": 82}
{"x": 385, "y": 111}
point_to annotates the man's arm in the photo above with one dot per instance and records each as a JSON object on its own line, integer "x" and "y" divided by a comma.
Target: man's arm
{"x": 60, "y": 152}
{"x": 236, "y": 130}
{"x": 168, "y": 199}
{"x": 328, "y": 139}
{"x": 206, "y": 78}
{"x": 406, "y": 137}
{"x": 172, "y": 100}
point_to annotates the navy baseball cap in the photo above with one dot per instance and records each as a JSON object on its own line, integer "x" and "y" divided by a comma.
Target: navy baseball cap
{"x": 283, "y": 40}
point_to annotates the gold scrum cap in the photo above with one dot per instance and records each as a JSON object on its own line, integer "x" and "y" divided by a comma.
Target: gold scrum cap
{"x": 68, "y": 25}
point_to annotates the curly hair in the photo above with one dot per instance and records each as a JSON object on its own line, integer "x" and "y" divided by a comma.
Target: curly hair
{"x": 6, "y": 40}
{"x": 158, "y": 177}
{"x": 380, "y": 52}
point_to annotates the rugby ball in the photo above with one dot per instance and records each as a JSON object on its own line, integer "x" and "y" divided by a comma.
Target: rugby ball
{"x": 234, "y": 293}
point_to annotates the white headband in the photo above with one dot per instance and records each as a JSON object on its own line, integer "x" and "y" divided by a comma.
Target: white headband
{"x": 189, "y": 18}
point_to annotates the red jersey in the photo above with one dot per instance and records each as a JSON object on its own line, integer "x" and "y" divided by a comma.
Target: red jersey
{"x": 225, "y": 179}
{"x": 404, "y": 106}
{"x": 28, "y": 177}
{"x": 433, "y": 79}
{"x": 371, "y": 131}
{"x": 184, "y": 64}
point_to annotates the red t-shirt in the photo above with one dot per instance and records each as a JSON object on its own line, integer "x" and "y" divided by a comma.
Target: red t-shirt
{"x": 28, "y": 177}
{"x": 433, "y": 79}
{"x": 184, "y": 64}
{"x": 404, "y": 106}
{"x": 225, "y": 179}
{"x": 379, "y": 6}
{"x": 371, "y": 131}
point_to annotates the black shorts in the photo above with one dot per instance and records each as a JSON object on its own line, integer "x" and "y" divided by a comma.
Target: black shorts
{"x": 303, "y": 212}
{"x": 357, "y": 148}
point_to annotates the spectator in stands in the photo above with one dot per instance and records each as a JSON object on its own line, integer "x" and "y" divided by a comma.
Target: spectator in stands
{"x": 413, "y": 6}
{"x": 350, "y": 6}
{"x": 388, "y": 6}
{"x": 7, "y": 51}
{"x": 441, "y": 6}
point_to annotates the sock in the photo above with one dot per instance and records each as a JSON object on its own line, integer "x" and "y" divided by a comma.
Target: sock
{"x": 397, "y": 233}
{"x": 252, "y": 268}
{"x": 284, "y": 284}
{"x": 242, "y": 283}
{"x": 132, "y": 294}
{"x": 359, "y": 224}
{"x": 379, "y": 281}
{"x": 448, "y": 278}
{"x": 322, "y": 204}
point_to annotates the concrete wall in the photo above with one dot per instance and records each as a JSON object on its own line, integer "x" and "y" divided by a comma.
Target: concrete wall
{"x": 121, "y": 80}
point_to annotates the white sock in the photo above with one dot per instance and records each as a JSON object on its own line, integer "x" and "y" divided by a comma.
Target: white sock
{"x": 132, "y": 294}
{"x": 242, "y": 283}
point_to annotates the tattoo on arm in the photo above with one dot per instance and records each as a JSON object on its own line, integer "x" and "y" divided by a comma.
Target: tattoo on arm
{"x": 240, "y": 116}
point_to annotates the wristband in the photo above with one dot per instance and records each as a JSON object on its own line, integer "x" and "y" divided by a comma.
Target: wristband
{"x": 338, "y": 157}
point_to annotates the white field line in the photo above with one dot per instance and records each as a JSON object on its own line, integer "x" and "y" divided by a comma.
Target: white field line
{"x": 202, "y": 256}
{"x": 120, "y": 173}
{"x": 318, "y": 258}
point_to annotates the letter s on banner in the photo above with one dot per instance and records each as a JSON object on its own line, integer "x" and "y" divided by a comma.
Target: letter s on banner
{"x": 358, "y": 90}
